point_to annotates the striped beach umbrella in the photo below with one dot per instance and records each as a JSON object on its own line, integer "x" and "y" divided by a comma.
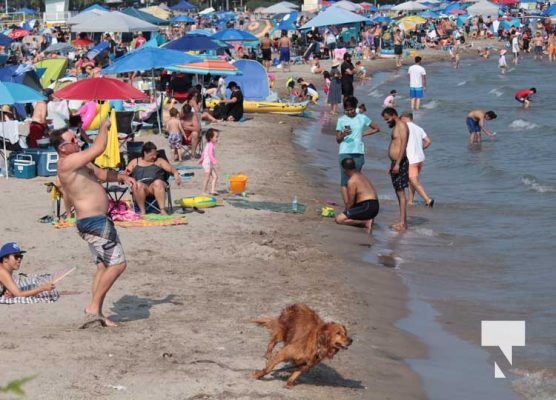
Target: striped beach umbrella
{"x": 260, "y": 27}
{"x": 211, "y": 66}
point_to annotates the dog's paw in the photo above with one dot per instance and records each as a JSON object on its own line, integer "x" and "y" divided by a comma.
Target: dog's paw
{"x": 258, "y": 374}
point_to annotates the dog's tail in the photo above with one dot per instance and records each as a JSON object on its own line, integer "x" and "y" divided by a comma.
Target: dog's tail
{"x": 266, "y": 322}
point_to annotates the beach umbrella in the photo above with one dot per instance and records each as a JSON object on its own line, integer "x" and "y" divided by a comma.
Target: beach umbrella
{"x": 235, "y": 35}
{"x": 182, "y": 18}
{"x": 334, "y": 16}
{"x": 15, "y": 93}
{"x": 260, "y": 27}
{"x": 97, "y": 89}
{"x": 428, "y": 14}
{"x": 201, "y": 32}
{"x": 183, "y": 6}
{"x": 191, "y": 42}
{"x": 409, "y": 6}
{"x": 211, "y": 66}
{"x": 414, "y": 19}
{"x": 288, "y": 22}
{"x": 110, "y": 157}
{"x": 59, "y": 47}
{"x": 381, "y": 19}
{"x": 5, "y": 40}
{"x": 83, "y": 42}
{"x": 457, "y": 11}
{"x": 347, "y": 5}
{"x": 17, "y": 33}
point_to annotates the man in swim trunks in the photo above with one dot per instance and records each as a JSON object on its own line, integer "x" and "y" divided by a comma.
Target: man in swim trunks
{"x": 266, "y": 50}
{"x": 417, "y": 83}
{"x": 284, "y": 44}
{"x": 398, "y": 47}
{"x": 80, "y": 178}
{"x": 362, "y": 205}
{"x": 399, "y": 168}
{"x": 476, "y": 123}
{"x": 524, "y": 96}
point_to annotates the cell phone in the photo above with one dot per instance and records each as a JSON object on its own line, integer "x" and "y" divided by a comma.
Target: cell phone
{"x": 347, "y": 127}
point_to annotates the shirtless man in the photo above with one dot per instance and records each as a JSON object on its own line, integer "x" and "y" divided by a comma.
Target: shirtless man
{"x": 38, "y": 127}
{"x": 191, "y": 127}
{"x": 398, "y": 47}
{"x": 79, "y": 178}
{"x": 266, "y": 50}
{"x": 399, "y": 168}
{"x": 284, "y": 44}
{"x": 362, "y": 204}
{"x": 538, "y": 43}
{"x": 476, "y": 123}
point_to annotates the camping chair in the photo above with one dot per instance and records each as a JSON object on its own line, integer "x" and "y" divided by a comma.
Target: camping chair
{"x": 151, "y": 205}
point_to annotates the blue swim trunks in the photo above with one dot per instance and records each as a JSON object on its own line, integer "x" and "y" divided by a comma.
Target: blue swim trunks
{"x": 284, "y": 54}
{"x": 100, "y": 233}
{"x": 472, "y": 125}
{"x": 415, "y": 93}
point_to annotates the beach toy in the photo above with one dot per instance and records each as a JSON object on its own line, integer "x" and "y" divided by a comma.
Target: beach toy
{"x": 328, "y": 212}
{"x": 102, "y": 113}
{"x": 238, "y": 183}
{"x": 87, "y": 112}
{"x": 197, "y": 201}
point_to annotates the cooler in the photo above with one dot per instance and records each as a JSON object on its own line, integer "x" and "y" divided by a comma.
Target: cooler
{"x": 46, "y": 160}
{"x": 24, "y": 167}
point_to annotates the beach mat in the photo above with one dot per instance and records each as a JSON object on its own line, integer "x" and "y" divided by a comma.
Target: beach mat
{"x": 28, "y": 282}
{"x": 150, "y": 220}
{"x": 266, "y": 205}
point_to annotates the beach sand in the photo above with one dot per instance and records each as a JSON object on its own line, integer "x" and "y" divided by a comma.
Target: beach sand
{"x": 186, "y": 300}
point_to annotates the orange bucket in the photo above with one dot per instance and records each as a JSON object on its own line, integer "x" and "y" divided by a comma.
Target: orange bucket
{"x": 238, "y": 183}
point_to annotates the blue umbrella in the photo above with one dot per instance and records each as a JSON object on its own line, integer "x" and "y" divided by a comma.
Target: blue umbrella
{"x": 4, "y": 40}
{"x": 195, "y": 42}
{"x": 382, "y": 19}
{"x": 182, "y": 5}
{"x": 13, "y": 93}
{"x": 201, "y": 32}
{"x": 235, "y": 35}
{"x": 428, "y": 14}
{"x": 182, "y": 18}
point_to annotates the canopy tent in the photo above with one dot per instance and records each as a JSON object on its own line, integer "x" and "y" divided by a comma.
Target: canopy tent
{"x": 347, "y": 5}
{"x": 484, "y": 8}
{"x": 334, "y": 16}
{"x": 96, "y": 7}
{"x": 183, "y": 6}
{"x": 145, "y": 16}
{"x": 114, "y": 21}
{"x": 410, "y": 6}
{"x": 85, "y": 16}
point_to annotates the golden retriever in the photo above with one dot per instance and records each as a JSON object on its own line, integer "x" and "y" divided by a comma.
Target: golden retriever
{"x": 307, "y": 340}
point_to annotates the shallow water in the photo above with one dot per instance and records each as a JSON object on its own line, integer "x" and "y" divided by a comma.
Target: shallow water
{"x": 485, "y": 252}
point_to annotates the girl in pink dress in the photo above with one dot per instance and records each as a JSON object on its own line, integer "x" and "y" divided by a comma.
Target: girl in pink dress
{"x": 209, "y": 162}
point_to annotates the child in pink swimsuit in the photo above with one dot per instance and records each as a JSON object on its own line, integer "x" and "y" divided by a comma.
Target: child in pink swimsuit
{"x": 209, "y": 162}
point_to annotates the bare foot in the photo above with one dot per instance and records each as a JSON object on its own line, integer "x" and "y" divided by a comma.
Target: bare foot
{"x": 109, "y": 323}
{"x": 398, "y": 227}
{"x": 369, "y": 227}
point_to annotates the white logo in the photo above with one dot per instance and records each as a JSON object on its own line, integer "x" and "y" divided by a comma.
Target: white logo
{"x": 503, "y": 334}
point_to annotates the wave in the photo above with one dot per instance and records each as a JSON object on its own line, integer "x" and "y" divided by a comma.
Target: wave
{"x": 523, "y": 125}
{"x": 431, "y": 105}
{"x": 496, "y": 92}
{"x": 462, "y": 83}
{"x": 375, "y": 93}
{"x": 533, "y": 183}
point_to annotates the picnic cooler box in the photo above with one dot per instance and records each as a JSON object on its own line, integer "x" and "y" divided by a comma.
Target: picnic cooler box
{"x": 46, "y": 160}
{"x": 25, "y": 167}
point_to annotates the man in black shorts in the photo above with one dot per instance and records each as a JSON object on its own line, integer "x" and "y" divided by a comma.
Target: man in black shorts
{"x": 266, "y": 50}
{"x": 362, "y": 205}
{"x": 398, "y": 47}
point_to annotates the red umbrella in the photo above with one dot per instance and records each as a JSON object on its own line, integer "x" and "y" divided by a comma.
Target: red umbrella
{"x": 99, "y": 89}
{"x": 82, "y": 42}
{"x": 17, "y": 33}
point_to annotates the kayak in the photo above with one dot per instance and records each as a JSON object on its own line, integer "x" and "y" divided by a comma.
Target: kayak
{"x": 254, "y": 106}
{"x": 197, "y": 201}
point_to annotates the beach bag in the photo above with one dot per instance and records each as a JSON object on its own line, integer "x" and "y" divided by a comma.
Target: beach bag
{"x": 219, "y": 111}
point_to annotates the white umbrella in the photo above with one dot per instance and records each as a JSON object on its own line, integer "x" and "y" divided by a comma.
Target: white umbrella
{"x": 410, "y": 6}
{"x": 278, "y": 9}
{"x": 484, "y": 8}
{"x": 347, "y": 5}
{"x": 114, "y": 21}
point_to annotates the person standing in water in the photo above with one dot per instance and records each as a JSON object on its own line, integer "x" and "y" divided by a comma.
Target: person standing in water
{"x": 476, "y": 124}
{"x": 417, "y": 83}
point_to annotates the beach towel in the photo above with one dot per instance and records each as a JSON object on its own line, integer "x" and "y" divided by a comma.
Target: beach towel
{"x": 266, "y": 205}
{"x": 27, "y": 282}
{"x": 149, "y": 221}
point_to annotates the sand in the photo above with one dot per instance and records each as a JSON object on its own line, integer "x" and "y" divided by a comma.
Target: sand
{"x": 186, "y": 300}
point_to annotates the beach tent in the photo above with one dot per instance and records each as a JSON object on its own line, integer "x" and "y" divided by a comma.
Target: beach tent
{"x": 334, "y": 16}
{"x": 94, "y": 7}
{"x": 55, "y": 68}
{"x": 114, "y": 21}
{"x": 347, "y": 5}
{"x": 23, "y": 74}
{"x": 483, "y": 8}
{"x": 253, "y": 81}
{"x": 145, "y": 16}
{"x": 85, "y": 16}
{"x": 183, "y": 6}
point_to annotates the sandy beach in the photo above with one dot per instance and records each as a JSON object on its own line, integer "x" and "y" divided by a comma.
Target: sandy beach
{"x": 186, "y": 300}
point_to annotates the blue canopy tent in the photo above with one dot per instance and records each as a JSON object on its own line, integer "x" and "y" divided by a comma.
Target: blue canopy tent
{"x": 183, "y": 6}
{"x": 334, "y": 16}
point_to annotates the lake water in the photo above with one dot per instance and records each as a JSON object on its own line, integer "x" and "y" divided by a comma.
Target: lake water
{"x": 486, "y": 250}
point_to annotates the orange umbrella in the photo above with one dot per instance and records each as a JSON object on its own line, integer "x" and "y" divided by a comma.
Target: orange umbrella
{"x": 208, "y": 66}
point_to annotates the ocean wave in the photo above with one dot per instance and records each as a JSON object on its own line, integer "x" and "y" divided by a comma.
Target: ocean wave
{"x": 430, "y": 105}
{"x": 375, "y": 93}
{"x": 533, "y": 183}
{"x": 522, "y": 124}
{"x": 496, "y": 92}
{"x": 426, "y": 232}
{"x": 461, "y": 83}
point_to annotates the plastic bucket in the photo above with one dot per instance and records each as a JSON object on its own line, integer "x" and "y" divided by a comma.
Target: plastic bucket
{"x": 237, "y": 183}
{"x": 412, "y": 53}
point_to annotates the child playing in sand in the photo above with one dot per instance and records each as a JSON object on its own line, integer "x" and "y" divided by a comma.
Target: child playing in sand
{"x": 326, "y": 87}
{"x": 502, "y": 64}
{"x": 209, "y": 162}
{"x": 175, "y": 133}
{"x": 389, "y": 100}
{"x": 360, "y": 71}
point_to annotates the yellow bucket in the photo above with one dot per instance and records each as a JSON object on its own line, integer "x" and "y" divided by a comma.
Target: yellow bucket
{"x": 237, "y": 183}
{"x": 412, "y": 53}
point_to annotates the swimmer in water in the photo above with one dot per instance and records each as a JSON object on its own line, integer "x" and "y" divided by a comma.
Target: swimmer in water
{"x": 476, "y": 124}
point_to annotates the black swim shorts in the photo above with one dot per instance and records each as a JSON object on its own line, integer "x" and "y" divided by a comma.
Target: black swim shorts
{"x": 363, "y": 211}
{"x": 267, "y": 54}
{"x": 400, "y": 181}
{"x": 398, "y": 49}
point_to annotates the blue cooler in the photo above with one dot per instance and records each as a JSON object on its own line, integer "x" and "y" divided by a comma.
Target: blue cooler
{"x": 46, "y": 160}
{"x": 25, "y": 167}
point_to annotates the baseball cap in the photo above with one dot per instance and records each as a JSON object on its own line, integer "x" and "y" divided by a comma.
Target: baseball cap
{"x": 10, "y": 248}
{"x": 393, "y": 91}
{"x": 48, "y": 92}
{"x": 232, "y": 84}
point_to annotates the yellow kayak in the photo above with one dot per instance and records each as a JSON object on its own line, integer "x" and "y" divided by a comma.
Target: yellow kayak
{"x": 197, "y": 201}
{"x": 253, "y": 106}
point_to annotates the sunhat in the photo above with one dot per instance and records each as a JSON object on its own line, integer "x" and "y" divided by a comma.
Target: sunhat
{"x": 10, "y": 248}
{"x": 6, "y": 109}
{"x": 335, "y": 63}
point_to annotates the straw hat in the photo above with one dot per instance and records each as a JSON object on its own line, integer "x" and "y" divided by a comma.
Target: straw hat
{"x": 335, "y": 63}
{"x": 6, "y": 109}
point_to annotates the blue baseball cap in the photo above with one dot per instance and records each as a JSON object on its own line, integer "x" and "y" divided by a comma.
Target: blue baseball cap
{"x": 10, "y": 248}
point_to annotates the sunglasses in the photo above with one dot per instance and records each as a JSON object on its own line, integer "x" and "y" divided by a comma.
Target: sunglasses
{"x": 72, "y": 141}
{"x": 18, "y": 256}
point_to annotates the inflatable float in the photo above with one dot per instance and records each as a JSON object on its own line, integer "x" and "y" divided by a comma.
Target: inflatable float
{"x": 92, "y": 114}
{"x": 197, "y": 201}
{"x": 274, "y": 107}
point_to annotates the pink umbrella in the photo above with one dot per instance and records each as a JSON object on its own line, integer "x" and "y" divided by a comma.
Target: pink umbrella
{"x": 457, "y": 11}
{"x": 17, "y": 33}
